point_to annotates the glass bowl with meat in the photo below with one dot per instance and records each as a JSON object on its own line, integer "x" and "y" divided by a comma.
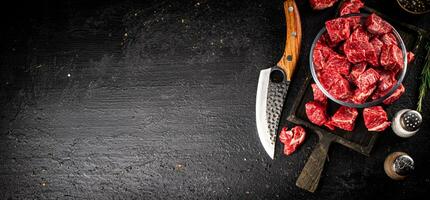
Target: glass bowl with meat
{"x": 359, "y": 60}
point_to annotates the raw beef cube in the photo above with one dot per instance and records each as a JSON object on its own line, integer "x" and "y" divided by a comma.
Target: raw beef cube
{"x": 354, "y": 22}
{"x": 344, "y": 118}
{"x": 411, "y": 57}
{"x": 321, "y": 54}
{"x": 356, "y": 46}
{"x": 327, "y": 40}
{"x": 329, "y": 125}
{"x": 351, "y": 6}
{"x": 391, "y": 58}
{"x": 377, "y": 45}
{"x": 356, "y": 70}
{"x": 292, "y": 138}
{"x": 321, "y": 4}
{"x": 371, "y": 55}
{"x": 316, "y": 113}
{"x": 375, "y": 118}
{"x": 338, "y": 29}
{"x": 361, "y": 95}
{"x": 387, "y": 80}
{"x": 338, "y": 64}
{"x": 395, "y": 96}
{"x": 318, "y": 95}
{"x": 283, "y": 135}
{"x": 389, "y": 39}
{"x": 377, "y": 25}
{"x": 336, "y": 85}
{"x": 367, "y": 79}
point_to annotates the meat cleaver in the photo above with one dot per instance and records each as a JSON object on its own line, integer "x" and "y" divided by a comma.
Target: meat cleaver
{"x": 273, "y": 82}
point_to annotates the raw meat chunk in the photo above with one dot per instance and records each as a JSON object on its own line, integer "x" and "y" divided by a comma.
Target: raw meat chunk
{"x": 350, "y": 6}
{"x": 338, "y": 29}
{"x": 375, "y": 118}
{"x": 336, "y": 85}
{"x": 391, "y": 58}
{"x": 354, "y": 22}
{"x": 386, "y": 82}
{"x": 344, "y": 118}
{"x": 395, "y": 96}
{"x": 321, "y": 54}
{"x": 318, "y": 95}
{"x": 377, "y": 45}
{"x": 356, "y": 46}
{"x": 361, "y": 95}
{"x": 329, "y": 125}
{"x": 338, "y": 64}
{"x": 389, "y": 39}
{"x": 371, "y": 55}
{"x": 328, "y": 42}
{"x": 292, "y": 138}
{"x": 411, "y": 57}
{"x": 283, "y": 135}
{"x": 316, "y": 113}
{"x": 367, "y": 79}
{"x": 376, "y": 25}
{"x": 321, "y": 4}
{"x": 356, "y": 70}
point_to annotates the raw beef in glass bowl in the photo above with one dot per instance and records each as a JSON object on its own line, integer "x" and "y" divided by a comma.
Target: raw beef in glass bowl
{"x": 359, "y": 62}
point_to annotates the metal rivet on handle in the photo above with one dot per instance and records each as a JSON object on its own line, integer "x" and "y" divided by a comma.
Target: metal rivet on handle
{"x": 290, "y": 9}
{"x": 294, "y": 34}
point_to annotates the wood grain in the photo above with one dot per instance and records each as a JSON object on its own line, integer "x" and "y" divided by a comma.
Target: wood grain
{"x": 293, "y": 38}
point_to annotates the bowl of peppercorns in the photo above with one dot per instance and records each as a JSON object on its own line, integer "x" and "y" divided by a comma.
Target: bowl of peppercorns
{"x": 416, "y": 7}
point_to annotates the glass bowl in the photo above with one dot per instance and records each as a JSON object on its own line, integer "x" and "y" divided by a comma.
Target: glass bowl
{"x": 399, "y": 77}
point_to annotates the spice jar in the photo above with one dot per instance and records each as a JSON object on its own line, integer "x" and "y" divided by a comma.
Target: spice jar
{"x": 398, "y": 165}
{"x": 406, "y": 123}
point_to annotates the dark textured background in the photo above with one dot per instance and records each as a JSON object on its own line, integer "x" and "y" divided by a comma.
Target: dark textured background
{"x": 160, "y": 104}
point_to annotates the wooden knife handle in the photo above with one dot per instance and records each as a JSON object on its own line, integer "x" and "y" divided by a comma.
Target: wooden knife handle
{"x": 293, "y": 39}
{"x": 311, "y": 173}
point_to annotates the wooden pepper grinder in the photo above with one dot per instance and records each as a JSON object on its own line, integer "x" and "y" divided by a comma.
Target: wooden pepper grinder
{"x": 398, "y": 165}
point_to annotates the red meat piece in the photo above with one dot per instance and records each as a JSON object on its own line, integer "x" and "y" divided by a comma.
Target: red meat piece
{"x": 321, "y": 54}
{"x": 356, "y": 46}
{"x": 344, "y": 118}
{"x": 377, "y": 45}
{"x": 354, "y": 22}
{"x": 338, "y": 29}
{"x": 411, "y": 57}
{"x": 350, "y": 6}
{"x": 395, "y": 96}
{"x": 327, "y": 40}
{"x": 336, "y": 85}
{"x": 338, "y": 64}
{"x": 283, "y": 135}
{"x": 292, "y": 138}
{"x": 387, "y": 80}
{"x": 356, "y": 70}
{"x": 376, "y": 25}
{"x": 321, "y": 4}
{"x": 391, "y": 58}
{"x": 371, "y": 56}
{"x": 318, "y": 95}
{"x": 389, "y": 39}
{"x": 361, "y": 95}
{"x": 329, "y": 125}
{"x": 316, "y": 113}
{"x": 367, "y": 79}
{"x": 375, "y": 118}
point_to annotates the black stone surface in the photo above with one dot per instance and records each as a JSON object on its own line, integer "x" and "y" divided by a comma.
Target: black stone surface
{"x": 155, "y": 100}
